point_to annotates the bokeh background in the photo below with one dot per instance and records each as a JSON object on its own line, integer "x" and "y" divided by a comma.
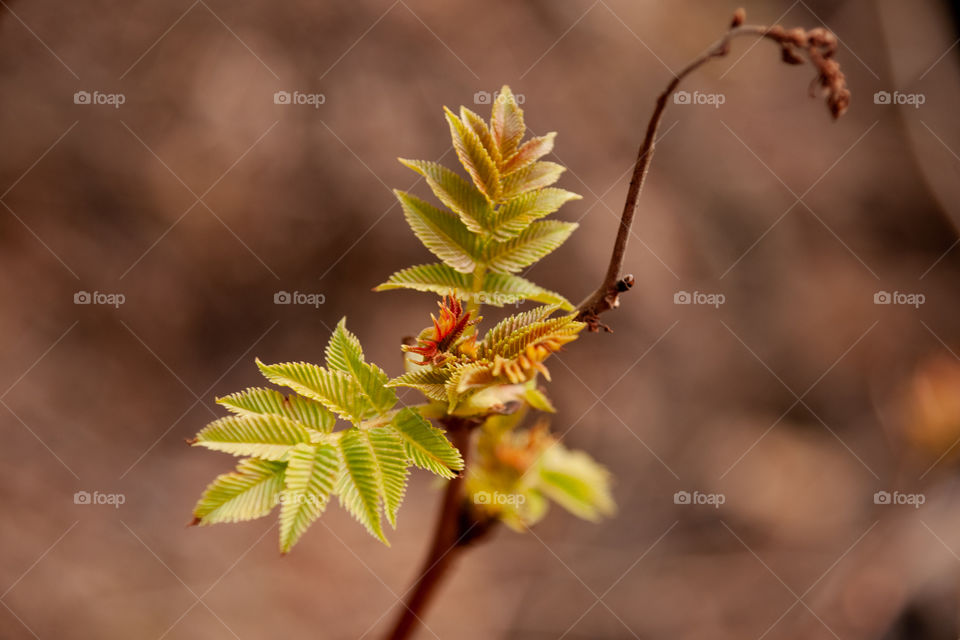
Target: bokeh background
{"x": 199, "y": 198}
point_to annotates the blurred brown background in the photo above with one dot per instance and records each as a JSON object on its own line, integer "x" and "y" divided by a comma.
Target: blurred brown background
{"x": 199, "y": 198}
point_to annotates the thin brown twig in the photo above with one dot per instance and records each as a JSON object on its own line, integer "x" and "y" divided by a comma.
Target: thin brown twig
{"x": 819, "y": 45}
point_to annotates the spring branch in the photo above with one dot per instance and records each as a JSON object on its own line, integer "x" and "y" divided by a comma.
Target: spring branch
{"x": 819, "y": 45}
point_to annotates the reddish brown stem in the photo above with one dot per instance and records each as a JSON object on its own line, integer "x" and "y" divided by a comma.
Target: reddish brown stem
{"x": 456, "y": 527}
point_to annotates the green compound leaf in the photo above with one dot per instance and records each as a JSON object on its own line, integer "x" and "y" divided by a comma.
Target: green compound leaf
{"x": 460, "y": 196}
{"x": 474, "y": 157}
{"x": 429, "y": 381}
{"x": 248, "y": 493}
{"x": 480, "y": 128}
{"x": 392, "y": 469}
{"x": 265, "y": 401}
{"x": 338, "y": 391}
{"x": 344, "y": 353}
{"x": 311, "y": 472}
{"x": 507, "y": 122}
{"x": 533, "y": 243}
{"x": 426, "y": 445}
{"x": 498, "y": 289}
{"x": 441, "y": 232}
{"x": 263, "y": 436}
{"x": 517, "y": 214}
{"x": 532, "y": 177}
{"x": 358, "y": 486}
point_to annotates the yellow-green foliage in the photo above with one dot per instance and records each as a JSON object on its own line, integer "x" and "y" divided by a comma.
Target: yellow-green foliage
{"x": 292, "y": 451}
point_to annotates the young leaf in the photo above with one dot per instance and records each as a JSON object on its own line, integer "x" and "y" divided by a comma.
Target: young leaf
{"x": 344, "y": 354}
{"x": 532, "y": 177}
{"x": 392, "y": 469}
{"x": 311, "y": 472}
{"x": 482, "y": 131}
{"x": 474, "y": 157}
{"x": 441, "y": 232}
{"x": 539, "y": 400}
{"x": 530, "y": 151}
{"x": 576, "y": 482}
{"x": 358, "y": 486}
{"x": 535, "y": 242}
{"x": 507, "y": 122}
{"x": 264, "y": 436}
{"x": 336, "y": 390}
{"x": 559, "y": 329}
{"x": 271, "y": 402}
{"x": 343, "y": 351}
{"x": 504, "y": 329}
{"x": 457, "y": 194}
{"x": 517, "y": 214}
{"x": 248, "y": 493}
{"x": 427, "y": 446}
{"x": 429, "y": 381}
{"x": 498, "y": 289}
{"x": 438, "y": 278}
{"x": 502, "y": 289}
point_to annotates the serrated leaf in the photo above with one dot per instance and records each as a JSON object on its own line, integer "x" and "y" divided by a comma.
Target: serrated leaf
{"x": 344, "y": 354}
{"x": 392, "y": 469}
{"x": 248, "y": 493}
{"x": 504, "y": 289}
{"x": 343, "y": 351}
{"x": 358, "y": 487}
{"x": 533, "y": 243}
{"x": 516, "y": 343}
{"x": 438, "y": 278}
{"x": 427, "y": 447}
{"x": 516, "y": 214}
{"x": 271, "y": 402}
{"x": 498, "y": 289}
{"x": 479, "y": 127}
{"x": 457, "y": 194}
{"x": 310, "y": 475}
{"x": 530, "y": 151}
{"x": 576, "y": 482}
{"x": 263, "y": 436}
{"x": 532, "y": 177}
{"x": 474, "y": 157}
{"x": 506, "y": 122}
{"x": 428, "y": 380}
{"x": 336, "y": 390}
{"x": 441, "y": 232}
{"x": 504, "y": 329}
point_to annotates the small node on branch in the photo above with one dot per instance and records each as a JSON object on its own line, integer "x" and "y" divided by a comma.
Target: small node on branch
{"x": 738, "y": 17}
